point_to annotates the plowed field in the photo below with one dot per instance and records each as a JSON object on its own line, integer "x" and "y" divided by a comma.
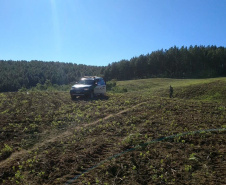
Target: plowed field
{"x": 46, "y": 138}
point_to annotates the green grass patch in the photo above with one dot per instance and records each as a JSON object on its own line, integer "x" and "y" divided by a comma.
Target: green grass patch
{"x": 199, "y": 89}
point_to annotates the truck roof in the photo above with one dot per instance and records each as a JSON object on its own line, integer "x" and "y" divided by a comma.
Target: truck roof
{"x": 90, "y": 77}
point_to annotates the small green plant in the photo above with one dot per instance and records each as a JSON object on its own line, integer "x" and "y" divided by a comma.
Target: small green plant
{"x": 41, "y": 173}
{"x": 221, "y": 108}
{"x": 97, "y": 181}
{"x": 7, "y": 148}
{"x": 134, "y": 167}
{"x": 18, "y": 176}
{"x": 187, "y": 168}
{"x": 192, "y": 157}
{"x": 6, "y": 151}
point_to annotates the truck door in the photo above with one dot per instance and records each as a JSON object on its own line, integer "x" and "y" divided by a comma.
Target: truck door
{"x": 100, "y": 87}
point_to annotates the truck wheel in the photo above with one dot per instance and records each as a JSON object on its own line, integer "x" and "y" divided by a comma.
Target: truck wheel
{"x": 91, "y": 95}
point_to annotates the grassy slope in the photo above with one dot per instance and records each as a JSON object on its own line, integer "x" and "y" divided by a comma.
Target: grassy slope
{"x": 48, "y": 139}
{"x": 199, "y": 89}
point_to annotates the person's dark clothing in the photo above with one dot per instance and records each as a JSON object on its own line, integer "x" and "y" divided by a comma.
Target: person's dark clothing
{"x": 171, "y": 92}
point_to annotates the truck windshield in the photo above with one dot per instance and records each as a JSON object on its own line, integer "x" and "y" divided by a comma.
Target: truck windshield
{"x": 86, "y": 82}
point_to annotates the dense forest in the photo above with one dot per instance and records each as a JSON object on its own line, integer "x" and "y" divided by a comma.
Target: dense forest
{"x": 22, "y": 74}
{"x": 192, "y": 62}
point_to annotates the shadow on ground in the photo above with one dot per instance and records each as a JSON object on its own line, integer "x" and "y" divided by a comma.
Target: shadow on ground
{"x": 81, "y": 98}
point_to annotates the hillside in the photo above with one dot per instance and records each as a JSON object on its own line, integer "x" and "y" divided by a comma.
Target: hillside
{"x": 193, "y": 62}
{"x": 137, "y": 137}
{"x": 15, "y": 75}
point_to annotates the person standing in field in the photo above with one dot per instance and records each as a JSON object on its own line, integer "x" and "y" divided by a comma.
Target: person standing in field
{"x": 171, "y": 91}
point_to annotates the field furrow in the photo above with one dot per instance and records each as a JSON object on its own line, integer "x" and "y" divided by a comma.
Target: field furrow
{"x": 124, "y": 138}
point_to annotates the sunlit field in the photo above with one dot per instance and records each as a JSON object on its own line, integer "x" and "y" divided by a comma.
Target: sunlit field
{"x": 140, "y": 136}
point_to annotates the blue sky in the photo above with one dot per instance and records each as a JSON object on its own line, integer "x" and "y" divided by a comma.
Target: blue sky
{"x": 99, "y": 32}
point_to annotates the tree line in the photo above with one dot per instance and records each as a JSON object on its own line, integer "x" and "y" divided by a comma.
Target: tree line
{"x": 15, "y": 75}
{"x": 184, "y": 62}
{"x": 192, "y": 62}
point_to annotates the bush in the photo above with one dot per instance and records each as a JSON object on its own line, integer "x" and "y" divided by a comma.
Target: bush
{"x": 111, "y": 84}
{"x": 119, "y": 89}
{"x": 6, "y": 151}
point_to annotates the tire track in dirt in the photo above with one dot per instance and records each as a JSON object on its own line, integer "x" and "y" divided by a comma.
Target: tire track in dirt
{"x": 22, "y": 153}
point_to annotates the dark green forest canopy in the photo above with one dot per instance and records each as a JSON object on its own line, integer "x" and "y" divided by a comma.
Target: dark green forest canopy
{"x": 192, "y": 62}
{"x": 17, "y": 74}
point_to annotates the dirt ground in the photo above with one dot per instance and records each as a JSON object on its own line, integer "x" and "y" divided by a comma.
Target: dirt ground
{"x": 46, "y": 138}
